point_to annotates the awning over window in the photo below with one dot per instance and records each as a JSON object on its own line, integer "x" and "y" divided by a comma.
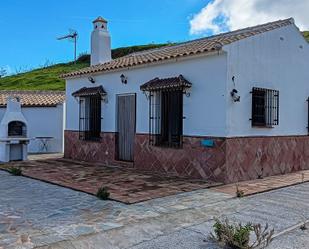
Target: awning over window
{"x": 90, "y": 91}
{"x": 165, "y": 84}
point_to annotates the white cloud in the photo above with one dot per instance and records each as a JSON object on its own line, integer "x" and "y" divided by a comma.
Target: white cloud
{"x": 244, "y": 13}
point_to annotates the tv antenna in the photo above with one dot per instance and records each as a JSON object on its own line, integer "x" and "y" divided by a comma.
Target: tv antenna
{"x": 71, "y": 37}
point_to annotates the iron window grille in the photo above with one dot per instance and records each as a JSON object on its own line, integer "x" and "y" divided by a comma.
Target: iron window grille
{"x": 166, "y": 118}
{"x": 265, "y": 107}
{"x": 90, "y": 117}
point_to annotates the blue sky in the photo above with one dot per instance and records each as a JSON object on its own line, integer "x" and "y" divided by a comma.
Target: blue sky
{"x": 29, "y": 28}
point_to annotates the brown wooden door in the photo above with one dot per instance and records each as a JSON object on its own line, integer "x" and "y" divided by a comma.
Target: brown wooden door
{"x": 126, "y": 118}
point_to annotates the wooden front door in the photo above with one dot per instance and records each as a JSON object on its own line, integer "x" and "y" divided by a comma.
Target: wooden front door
{"x": 126, "y": 115}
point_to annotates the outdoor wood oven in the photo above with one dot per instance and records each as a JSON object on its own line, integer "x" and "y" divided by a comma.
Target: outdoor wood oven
{"x": 17, "y": 129}
{"x": 13, "y": 133}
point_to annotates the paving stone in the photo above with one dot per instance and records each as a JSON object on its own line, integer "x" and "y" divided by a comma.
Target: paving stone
{"x": 51, "y": 215}
{"x": 266, "y": 184}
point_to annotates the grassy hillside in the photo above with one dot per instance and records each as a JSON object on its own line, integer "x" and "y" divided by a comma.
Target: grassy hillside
{"x": 48, "y": 78}
{"x": 40, "y": 79}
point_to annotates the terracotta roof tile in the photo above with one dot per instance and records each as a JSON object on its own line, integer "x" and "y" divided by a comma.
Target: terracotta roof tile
{"x": 167, "y": 83}
{"x": 34, "y": 98}
{"x": 204, "y": 45}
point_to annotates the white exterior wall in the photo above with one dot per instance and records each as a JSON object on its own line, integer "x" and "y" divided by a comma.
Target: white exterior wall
{"x": 43, "y": 122}
{"x": 267, "y": 61}
{"x": 204, "y": 109}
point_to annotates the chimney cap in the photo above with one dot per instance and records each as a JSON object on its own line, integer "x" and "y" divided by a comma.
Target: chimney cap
{"x": 100, "y": 19}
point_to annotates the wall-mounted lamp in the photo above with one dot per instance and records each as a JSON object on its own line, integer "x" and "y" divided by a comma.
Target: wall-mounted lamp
{"x": 92, "y": 80}
{"x": 234, "y": 92}
{"x": 235, "y": 96}
{"x": 147, "y": 94}
{"x": 124, "y": 79}
{"x": 105, "y": 99}
{"x": 187, "y": 93}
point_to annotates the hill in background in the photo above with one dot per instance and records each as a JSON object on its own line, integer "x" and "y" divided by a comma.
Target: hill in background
{"x": 47, "y": 78}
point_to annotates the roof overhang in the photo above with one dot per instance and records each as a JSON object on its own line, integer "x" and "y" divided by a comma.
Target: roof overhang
{"x": 174, "y": 83}
{"x": 90, "y": 91}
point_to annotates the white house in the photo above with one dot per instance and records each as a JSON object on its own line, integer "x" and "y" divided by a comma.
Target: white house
{"x": 34, "y": 118}
{"x": 229, "y": 107}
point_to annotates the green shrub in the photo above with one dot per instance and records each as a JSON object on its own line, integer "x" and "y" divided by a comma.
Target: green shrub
{"x": 238, "y": 236}
{"x": 239, "y": 193}
{"x": 103, "y": 193}
{"x": 15, "y": 171}
{"x": 304, "y": 227}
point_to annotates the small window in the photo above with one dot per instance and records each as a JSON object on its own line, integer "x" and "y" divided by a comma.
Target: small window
{"x": 90, "y": 118}
{"x": 166, "y": 118}
{"x": 265, "y": 107}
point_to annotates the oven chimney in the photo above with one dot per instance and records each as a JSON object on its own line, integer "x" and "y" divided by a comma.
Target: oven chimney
{"x": 100, "y": 42}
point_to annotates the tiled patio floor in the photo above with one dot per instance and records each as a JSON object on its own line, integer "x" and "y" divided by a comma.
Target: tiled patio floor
{"x": 124, "y": 184}
{"x": 131, "y": 186}
{"x": 266, "y": 184}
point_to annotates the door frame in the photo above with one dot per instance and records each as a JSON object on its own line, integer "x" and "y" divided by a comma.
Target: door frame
{"x": 116, "y": 125}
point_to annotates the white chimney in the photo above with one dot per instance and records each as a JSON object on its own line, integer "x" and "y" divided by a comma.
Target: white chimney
{"x": 100, "y": 42}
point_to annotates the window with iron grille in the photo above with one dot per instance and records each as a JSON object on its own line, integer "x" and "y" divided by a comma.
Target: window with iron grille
{"x": 265, "y": 107}
{"x": 166, "y": 117}
{"x": 90, "y": 117}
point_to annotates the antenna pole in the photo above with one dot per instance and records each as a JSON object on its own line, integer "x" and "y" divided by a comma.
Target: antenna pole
{"x": 75, "y": 49}
{"x": 71, "y": 37}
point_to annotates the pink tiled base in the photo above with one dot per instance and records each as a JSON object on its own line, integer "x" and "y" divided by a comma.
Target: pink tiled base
{"x": 230, "y": 160}
{"x": 249, "y": 158}
{"x": 192, "y": 160}
{"x": 77, "y": 149}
